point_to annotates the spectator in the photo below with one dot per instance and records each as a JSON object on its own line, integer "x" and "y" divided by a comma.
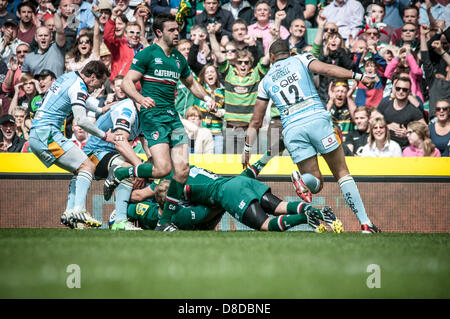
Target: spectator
{"x": 48, "y": 55}
{"x": 209, "y": 78}
{"x": 347, "y": 15}
{"x": 50, "y": 24}
{"x": 9, "y": 40}
{"x": 296, "y": 39}
{"x": 356, "y": 139}
{"x": 213, "y": 13}
{"x": 341, "y": 106}
{"x": 84, "y": 14}
{"x": 439, "y": 86}
{"x": 200, "y": 138}
{"x": 184, "y": 98}
{"x": 438, "y": 9}
{"x": 15, "y": 68}
{"x": 86, "y": 48}
{"x": 440, "y": 130}
{"x": 142, "y": 14}
{"x": 407, "y": 62}
{"x": 242, "y": 40}
{"x": 199, "y": 52}
{"x": 399, "y": 112}
{"x": 262, "y": 28}
{"x": 9, "y": 141}
{"x": 379, "y": 141}
{"x": 105, "y": 11}
{"x": 121, "y": 23}
{"x": 123, "y": 49}
{"x": 4, "y": 14}
{"x": 79, "y": 136}
{"x": 124, "y": 7}
{"x": 105, "y": 56}
{"x": 23, "y": 124}
{"x": 376, "y": 13}
{"x": 241, "y": 89}
{"x": 394, "y": 9}
{"x": 419, "y": 140}
{"x": 30, "y": 87}
{"x": 334, "y": 52}
{"x": 45, "y": 80}
{"x": 44, "y": 11}
{"x": 310, "y": 11}
{"x": 408, "y": 32}
{"x": 118, "y": 94}
{"x": 164, "y": 6}
{"x": 293, "y": 9}
{"x": 240, "y": 10}
{"x": 374, "y": 68}
{"x": 27, "y": 28}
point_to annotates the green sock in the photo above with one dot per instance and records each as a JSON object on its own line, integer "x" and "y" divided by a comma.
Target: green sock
{"x": 254, "y": 170}
{"x": 301, "y": 208}
{"x": 174, "y": 193}
{"x": 142, "y": 170}
{"x": 284, "y": 222}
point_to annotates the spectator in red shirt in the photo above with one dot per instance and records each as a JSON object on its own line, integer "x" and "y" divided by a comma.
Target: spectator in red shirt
{"x": 122, "y": 49}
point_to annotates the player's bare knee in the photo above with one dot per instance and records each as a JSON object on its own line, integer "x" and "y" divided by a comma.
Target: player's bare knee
{"x": 88, "y": 166}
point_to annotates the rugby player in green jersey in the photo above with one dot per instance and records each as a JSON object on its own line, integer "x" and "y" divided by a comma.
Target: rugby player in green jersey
{"x": 158, "y": 68}
{"x": 246, "y": 199}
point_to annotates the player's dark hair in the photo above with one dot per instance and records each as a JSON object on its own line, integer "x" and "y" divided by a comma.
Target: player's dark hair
{"x": 279, "y": 47}
{"x": 95, "y": 67}
{"x": 160, "y": 19}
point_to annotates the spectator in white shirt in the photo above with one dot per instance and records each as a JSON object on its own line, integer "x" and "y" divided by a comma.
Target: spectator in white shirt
{"x": 379, "y": 143}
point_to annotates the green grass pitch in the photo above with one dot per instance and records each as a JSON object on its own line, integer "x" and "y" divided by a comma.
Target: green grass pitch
{"x": 145, "y": 264}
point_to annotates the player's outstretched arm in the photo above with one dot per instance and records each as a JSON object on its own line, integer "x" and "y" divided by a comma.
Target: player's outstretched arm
{"x": 338, "y": 72}
{"x": 79, "y": 114}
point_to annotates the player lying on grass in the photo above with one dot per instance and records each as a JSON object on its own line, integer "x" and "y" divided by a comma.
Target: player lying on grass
{"x": 123, "y": 120}
{"x": 246, "y": 199}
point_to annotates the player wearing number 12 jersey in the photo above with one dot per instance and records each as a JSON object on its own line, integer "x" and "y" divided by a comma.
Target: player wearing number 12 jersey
{"x": 307, "y": 126}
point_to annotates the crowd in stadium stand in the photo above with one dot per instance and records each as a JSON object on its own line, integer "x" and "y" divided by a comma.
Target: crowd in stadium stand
{"x": 402, "y": 44}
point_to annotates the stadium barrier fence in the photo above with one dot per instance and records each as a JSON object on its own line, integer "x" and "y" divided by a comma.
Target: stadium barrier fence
{"x": 400, "y": 194}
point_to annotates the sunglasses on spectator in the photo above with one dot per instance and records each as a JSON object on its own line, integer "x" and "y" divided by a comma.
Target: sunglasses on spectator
{"x": 22, "y": 51}
{"x": 84, "y": 41}
{"x": 402, "y": 89}
{"x": 408, "y": 30}
{"x": 329, "y": 29}
{"x": 243, "y": 62}
{"x": 439, "y": 109}
{"x": 231, "y": 50}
